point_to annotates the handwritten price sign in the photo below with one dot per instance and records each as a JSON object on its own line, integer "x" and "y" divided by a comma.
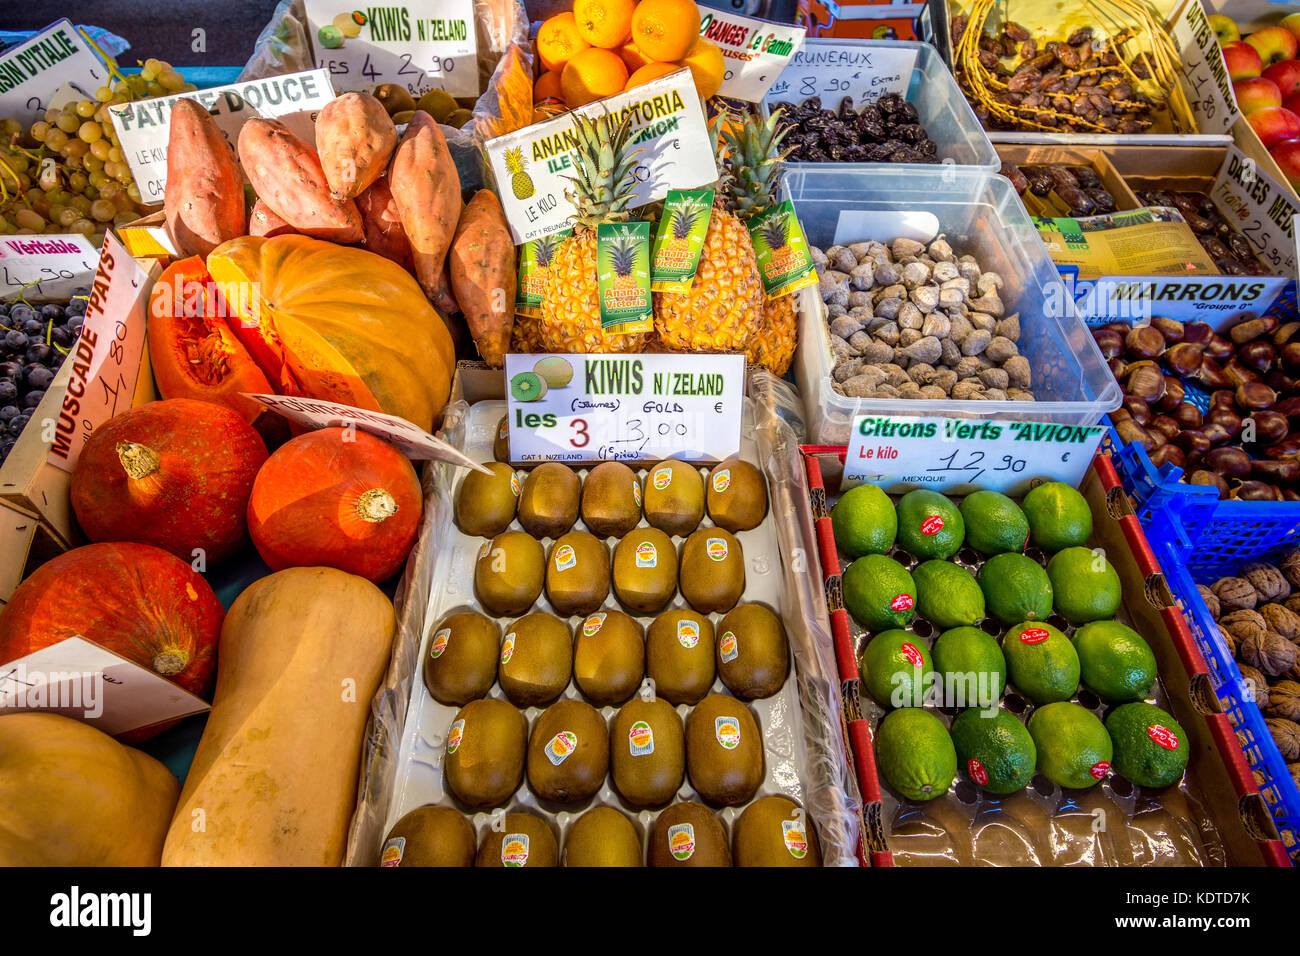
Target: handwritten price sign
{"x": 577, "y": 408}
{"x": 834, "y": 69}
{"x": 959, "y": 455}
{"x": 48, "y": 267}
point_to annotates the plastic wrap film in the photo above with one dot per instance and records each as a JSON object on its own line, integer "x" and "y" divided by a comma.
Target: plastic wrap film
{"x": 835, "y": 805}
{"x": 505, "y": 64}
{"x": 389, "y": 706}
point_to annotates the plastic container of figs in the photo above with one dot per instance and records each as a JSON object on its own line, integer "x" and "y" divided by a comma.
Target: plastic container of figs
{"x": 804, "y": 756}
{"x": 978, "y": 216}
{"x": 941, "y": 108}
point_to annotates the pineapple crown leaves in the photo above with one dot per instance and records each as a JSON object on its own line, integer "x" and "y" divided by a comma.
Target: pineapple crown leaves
{"x": 544, "y": 251}
{"x": 604, "y": 186}
{"x": 685, "y": 216}
{"x": 623, "y": 248}
{"x": 755, "y": 155}
{"x": 776, "y": 231}
{"x": 721, "y": 157}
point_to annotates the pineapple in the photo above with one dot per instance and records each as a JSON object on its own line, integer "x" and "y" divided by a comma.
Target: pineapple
{"x": 722, "y": 310}
{"x": 602, "y": 189}
{"x": 521, "y": 184}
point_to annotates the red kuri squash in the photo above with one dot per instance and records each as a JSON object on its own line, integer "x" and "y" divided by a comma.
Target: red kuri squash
{"x": 133, "y": 599}
{"x": 336, "y": 497}
{"x": 175, "y": 474}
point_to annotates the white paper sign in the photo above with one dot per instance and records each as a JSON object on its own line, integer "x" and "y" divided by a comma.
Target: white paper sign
{"x": 419, "y": 45}
{"x": 754, "y": 51}
{"x": 834, "y": 69}
{"x": 144, "y": 126}
{"x": 959, "y": 455}
{"x": 106, "y": 357}
{"x": 667, "y": 126}
{"x": 77, "y": 678}
{"x": 32, "y": 71}
{"x": 1204, "y": 73}
{"x": 863, "y": 225}
{"x": 46, "y": 266}
{"x": 412, "y": 440}
{"x": 625, "y": 407}
{"x": 1260, "y": 208}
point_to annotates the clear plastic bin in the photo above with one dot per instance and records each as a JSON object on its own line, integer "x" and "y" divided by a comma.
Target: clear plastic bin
{"x": 941, "y": 108}
{"x": 981, "y": 216}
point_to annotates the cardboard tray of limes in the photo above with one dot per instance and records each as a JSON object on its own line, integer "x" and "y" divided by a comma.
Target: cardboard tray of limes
{"x": 1087, "y": 735}
{"x": 531, "y": 780}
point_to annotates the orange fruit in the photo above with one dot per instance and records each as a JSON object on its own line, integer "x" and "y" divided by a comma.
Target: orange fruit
{"x": 604, "y": 23}
{"x": 706, "y": 65}
{"x": 665, "y": 29}
{"x": 592, "y": 75}
{"x": 632, "y": 58}
{"x": 558, "y": 41}
{"x": 547, "y": 87}
{"x": 651, "y": 71}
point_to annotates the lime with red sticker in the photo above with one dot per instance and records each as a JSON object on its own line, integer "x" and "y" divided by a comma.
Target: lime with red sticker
{"x": 1073, "y": 746}
{"x": 1151, "y": 748}
{"x": 994, "y": 750}
{"x": 1041, "y": 662}
{"x": 895, "y": 669}
{"x": 929, "y": 525}
{"x": 879, "y": 592}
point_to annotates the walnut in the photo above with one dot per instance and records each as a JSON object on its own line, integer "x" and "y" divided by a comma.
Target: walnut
{"x": 1286, "y": 733}
{"x": 1293, "y": 603}
{"x": 1256, "y": 688}
{"x": 1271, "y": 653}
{"x": 1211, "y": 600}
{"x": 1234, "y": 593}
{"x": 1282, "y": 620}
{"x": 1267, "y": 581}
{"x": 1284, "y": 700}
{"x": 1290, "y": 567}
{"x": 1229, "y": 641}
{"x": 1244, "y": 624}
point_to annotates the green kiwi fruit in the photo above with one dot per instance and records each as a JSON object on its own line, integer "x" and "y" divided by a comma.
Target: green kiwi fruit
{"x": 460, "y": 660}
{"x": 687, "y": 834}
{"x": 548, "y": 502}
{"x": 568, "y": 752}
{"x": 429, "y": 836}
{"x": 519, "y": 839}
{"x": 674, "y": 497}
{"x": 753, "y": 652}
{"x": 645, "y": 570}
{"x": 437, "y": 103}
{"x": 509, "y": 572}
{"x": 724, "y": 750}
{"x": 647, "y": 749}
{"x": 712, "y": 572}
{"x": 679, "y": 656}
{"x": 602, "y": 836}
{"x": 486, "y": 745}
{"x": 608, "y": 657}
{"x": 737, "y": 495}
{"x": 394, "y": 97}
{"x": 577, "y": 573}
{"x": 775, "y": 831}
{"x": 535, "y": 659}
{"x": 611, "y": 500}
{"x": 485, "y": 504}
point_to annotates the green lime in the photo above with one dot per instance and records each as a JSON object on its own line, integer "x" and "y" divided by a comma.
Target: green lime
{"x": 994, "y": 523}
{"x": 1059, "y": 517}
{"x": 1150, "y": 747}
{"x": 929, "y": 525}
{"x": 879, "y": 592}
{"x": 895, "y": 669}
{"x": 994, "y": 750}
{"x": 1084, "y": 585}
{"x": 915, "y": 754}
{"x": 1016, "y": 588}
{"x": 1041, "y": 662}
{"x": 1074, "y": 750}
{"x": 1114, "y": 662}
{"x": 864, "y": 522}
{"x": 971, "y": 666}
{"x": 947, "y": 595}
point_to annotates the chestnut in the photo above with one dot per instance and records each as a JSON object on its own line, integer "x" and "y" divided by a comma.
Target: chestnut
{"x": 1165, "y": 426}
{"x": 1143, "y": 342}
{"x": 1238, "y": 373}
{"x": 1252, "y": 396}
{"x": 1291, "y": 354}
{"x": 1217, "y": 482}
{"x": 1284, "y": 470}
{"x": 1218, "y": 348}
{"x": 1211, "y": 374}
{"x": 1285, "y": 333}
{"x": 1134, "y": 433}
{"x": 1118, "y": 367}
{"x": 1225, "y": 418}
{"x": 1254, "y": 491}
{"x": 1146, "y": 381}
{"x": 1267, "y": 426}
{"x": 1173, "y": 396}
{"x": 1252, "y": 329}
{"x": 1123, "y": 328}
{"x": 1110, "y": 342}
{"x": 1290, "y": 407}
{"x": 1194, "y": 442}
{"x": 1168, "y": 455}
{"x": 1223, "y": 398}
{"x": 1258, "y": 355}
{"x": 1216, "y": 433}
{"x": 1187, "y": 415}
{"x": 1171, "y": 329}
{"x": 1280, "y": 382}
{"x": 1288, "y": 447}
{"x": 1197, "y": 333}
{"x": 1289, "y": 495}
{"x": 1138, "y": 409}
{"x": 1229, "y": 462}
{"x": 1184, "y": 359}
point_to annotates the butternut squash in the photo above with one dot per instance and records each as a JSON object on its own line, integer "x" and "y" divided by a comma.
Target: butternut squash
{"x": 71, "y": 795}
{"x": 275, "y": 777}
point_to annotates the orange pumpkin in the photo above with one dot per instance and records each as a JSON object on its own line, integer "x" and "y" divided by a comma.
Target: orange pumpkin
{"x": 336, "y": 323}
{"x": 336, "y": 497}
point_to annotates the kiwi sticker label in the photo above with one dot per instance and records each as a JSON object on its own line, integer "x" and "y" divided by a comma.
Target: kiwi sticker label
{"x": 912, "y": 654}
{"x": 722, "y": 480}
{"x": 535, "y": 259}
{"x": 716, "y": 549}
{"x": 796, "y": 841}
{"x": 514, "y": 850}
{"x": 727, "y": 647}
{"x": 640, "y": 739}
{"x": 647, "y": 556}
{"x": 455, "y": 734}
{"x": 681, "y": 841}
{"x": 688, "y": 633}
{"x": 727, "y": 730}
{"x": 1100, "y": 769}
{"x": 439, "y": 642}
{"x": 784, "y": 260}
{"x": 1033, "y": 635}
{"x": 415, "y": 45}
{"x": 662, "y": 478}
{"x": 975, "y": 770}
{"x": 560, "y": 746}
{"x": 392, "y": 852}
{"x": 902, "y": 602}
{"x": 932, "y": 525}
{"x": 636, "y": 492}
{"x": 623, "y": 277}
{"x": 483, "y": 551}
{"x": 508, "y": 648}
{"x": 565, "y": 557}
{"x": 514, "y": 484}
{"x": 592, "y": 625}
{"x": 679, "y": 240}
{"x": 1163, "y": 736}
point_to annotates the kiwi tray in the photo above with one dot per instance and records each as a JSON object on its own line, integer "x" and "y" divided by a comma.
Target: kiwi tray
{"x": 431, "y": 731}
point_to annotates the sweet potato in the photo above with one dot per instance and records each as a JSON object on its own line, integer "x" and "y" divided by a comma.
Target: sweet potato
{"x": 264, "y": 221}
{"x": 482, "y": 261}
{"x": 384, "y": 233}
{"x": 426, "y": 188}
{"x": 286, "y": 173}
{"x": 356, "y": 138}
{"x": 204, "y": 197}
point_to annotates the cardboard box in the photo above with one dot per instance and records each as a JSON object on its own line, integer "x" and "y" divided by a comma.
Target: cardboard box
{"x": 869, "y": 20}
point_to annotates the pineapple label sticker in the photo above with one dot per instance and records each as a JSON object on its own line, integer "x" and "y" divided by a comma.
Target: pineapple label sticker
{"x": 420, "y": 46}
{"x": 679, "y": 239}
{"x": 631, "y": 407}
{"x": 623, "y": 277}
{"x": 583, "y": 165}
{"x": 535, "y": 259}
{"x": 784, "y": 261}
